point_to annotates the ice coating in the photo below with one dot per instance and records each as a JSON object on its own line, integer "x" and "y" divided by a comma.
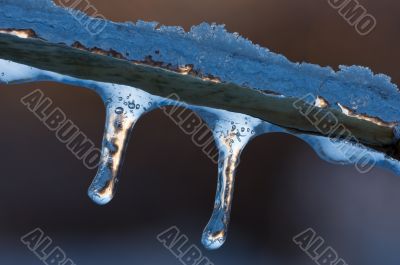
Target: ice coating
{"x": 232, "y": 131}
{"x": 344, "y": 153}
{"x": 212, "y": 50}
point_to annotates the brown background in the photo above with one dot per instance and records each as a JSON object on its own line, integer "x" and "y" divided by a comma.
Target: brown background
{"x": 282, "y": 188}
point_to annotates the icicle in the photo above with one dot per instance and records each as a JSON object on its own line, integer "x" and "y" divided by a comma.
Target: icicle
{"x": 117, "y": 130}
{"x": 123, "y": 111}
{"x": 231, "y": 133}
{"x": 215, "y": 233}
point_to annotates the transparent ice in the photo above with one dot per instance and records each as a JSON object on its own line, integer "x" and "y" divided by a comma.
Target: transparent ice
{"x": 212, "y": 50}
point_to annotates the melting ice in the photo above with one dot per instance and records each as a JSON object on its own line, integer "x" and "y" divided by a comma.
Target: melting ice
{"x": 212, "y": 51}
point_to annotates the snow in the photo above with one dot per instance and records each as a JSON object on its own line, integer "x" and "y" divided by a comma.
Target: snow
{"x": 213, "y": 50}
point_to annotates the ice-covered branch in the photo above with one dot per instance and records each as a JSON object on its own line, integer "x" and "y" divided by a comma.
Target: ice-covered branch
{"x": 241, "y": 90}
{"x": 277, "y": 109}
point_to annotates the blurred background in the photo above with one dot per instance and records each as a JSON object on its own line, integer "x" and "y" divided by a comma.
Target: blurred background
{"x": 282, "y": 187}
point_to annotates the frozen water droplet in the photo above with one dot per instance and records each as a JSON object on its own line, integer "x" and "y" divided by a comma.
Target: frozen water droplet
{"x": 115, "y": 141}
{"x": 230, "y": 143}
{"x": 119, "y": 110}
{"x": 116, "y": 136}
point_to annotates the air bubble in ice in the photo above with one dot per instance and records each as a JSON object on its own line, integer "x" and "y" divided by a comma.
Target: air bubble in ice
{"x": 119, "y": 110}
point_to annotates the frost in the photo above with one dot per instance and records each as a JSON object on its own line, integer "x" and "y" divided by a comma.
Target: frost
{"x": 208, "y": 49}
{"x": 212, "y": 50}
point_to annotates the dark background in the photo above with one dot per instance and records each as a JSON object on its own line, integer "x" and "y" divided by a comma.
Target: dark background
{"x": 282, "y": 186}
